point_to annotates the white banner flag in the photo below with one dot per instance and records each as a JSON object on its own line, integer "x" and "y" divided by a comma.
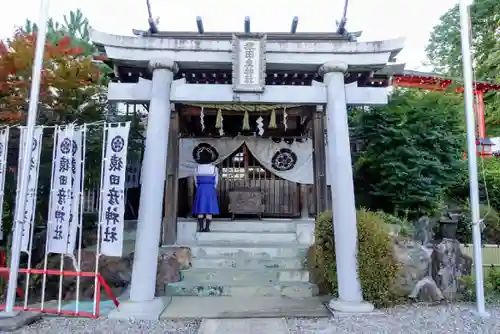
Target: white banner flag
{"x": 29, "y": 210}
{"x": 60, "y": 193}
{"x": 76, "y": 181}
{"x": 113, "y": 189}
{"x": 4, "y": 143}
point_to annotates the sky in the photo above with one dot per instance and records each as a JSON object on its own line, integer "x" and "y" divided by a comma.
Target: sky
{"x": 378, "y": 19}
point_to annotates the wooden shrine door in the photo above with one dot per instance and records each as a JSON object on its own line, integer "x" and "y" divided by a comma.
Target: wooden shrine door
{"x": 241, "y": 169}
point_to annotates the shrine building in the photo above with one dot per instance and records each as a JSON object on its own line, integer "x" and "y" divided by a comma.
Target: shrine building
{"x": 271, "y": 108}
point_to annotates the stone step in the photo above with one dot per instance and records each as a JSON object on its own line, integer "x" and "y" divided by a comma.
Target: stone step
{"x": 249, "y": 276}
{"x": 247, "y": 237}
{"x": 205, "y": 289}
{"x": 266, "y": 225}
{"x": 247, "y": 263}
{"x": 244, "y": 250}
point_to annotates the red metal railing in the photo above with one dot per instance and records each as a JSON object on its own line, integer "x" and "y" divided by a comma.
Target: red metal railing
{"x": 100, "y": 282}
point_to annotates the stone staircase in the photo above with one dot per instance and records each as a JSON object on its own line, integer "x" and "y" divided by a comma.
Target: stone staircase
{"x": 247, "y": 258}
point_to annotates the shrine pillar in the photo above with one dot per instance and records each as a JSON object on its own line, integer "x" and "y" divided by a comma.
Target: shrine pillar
{"x": 319, "y": 161}
{"x": 350, "y": 297}
{"x": 142, "y": 304}
{"x": 172, "y": 182}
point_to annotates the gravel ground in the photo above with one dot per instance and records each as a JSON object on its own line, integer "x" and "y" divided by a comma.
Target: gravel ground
{"x": 402, "y": 319}
{"x": 54, "y": 325}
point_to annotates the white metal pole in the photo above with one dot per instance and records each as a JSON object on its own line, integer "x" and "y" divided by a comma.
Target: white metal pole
{"x": 472, "y": 154}
{"x": 24, "y": 172}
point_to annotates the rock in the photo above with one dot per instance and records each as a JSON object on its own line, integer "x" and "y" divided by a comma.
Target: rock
{"x": 423, "y": 230}
{"x": 449, "y": 264}
{"x": 414, "y": 261}
{"x": 116, "y": 271}
{"x": 170, "y": 266}
{"x": 426, "y": 290}
{"x": 169, "y": 271}
{"x": 183, "y": 256}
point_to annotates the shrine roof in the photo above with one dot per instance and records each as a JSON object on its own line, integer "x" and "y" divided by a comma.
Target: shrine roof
{"x": 214, "y": 50}
{"x": 485, "y": 141}
{"x": 322, "y": 41}
{"x": 270, "y": 36}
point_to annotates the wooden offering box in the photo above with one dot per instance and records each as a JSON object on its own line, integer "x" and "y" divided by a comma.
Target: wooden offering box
{"x": 246, "y": 201}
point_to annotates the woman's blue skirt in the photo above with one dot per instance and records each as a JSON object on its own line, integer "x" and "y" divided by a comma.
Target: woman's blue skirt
{"x": 205, "y": 202}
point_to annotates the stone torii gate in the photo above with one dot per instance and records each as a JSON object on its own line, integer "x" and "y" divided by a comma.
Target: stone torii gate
{"x": 351, "y": 72}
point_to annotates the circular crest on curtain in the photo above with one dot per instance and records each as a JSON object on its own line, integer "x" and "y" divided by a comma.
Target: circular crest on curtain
{"x": 284, "y": 159}
{"x": 205, "y": 147}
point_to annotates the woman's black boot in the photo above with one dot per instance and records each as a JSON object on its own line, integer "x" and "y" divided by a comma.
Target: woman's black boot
{"x": 207, "y": 225}
{"x": 200, "y": 224}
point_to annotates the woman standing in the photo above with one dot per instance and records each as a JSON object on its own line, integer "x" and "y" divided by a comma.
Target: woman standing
{"x": 205, "y": 202}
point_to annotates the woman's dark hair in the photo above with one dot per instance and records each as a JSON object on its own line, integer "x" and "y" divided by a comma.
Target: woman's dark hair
{"x": 205, "y": 157}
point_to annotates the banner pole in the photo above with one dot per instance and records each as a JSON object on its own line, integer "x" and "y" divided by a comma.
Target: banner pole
{"x": 24, "y": 172}
{"x": 472, "y": 154}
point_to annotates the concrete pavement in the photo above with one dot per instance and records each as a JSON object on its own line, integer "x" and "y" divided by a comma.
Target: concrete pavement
{"x": 244, "y": 326}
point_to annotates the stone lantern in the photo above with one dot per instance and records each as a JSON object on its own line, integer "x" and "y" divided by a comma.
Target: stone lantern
{"x": 448, "y": 225}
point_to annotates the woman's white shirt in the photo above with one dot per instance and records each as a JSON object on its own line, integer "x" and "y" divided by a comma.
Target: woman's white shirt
{"x": 207, "y": 169}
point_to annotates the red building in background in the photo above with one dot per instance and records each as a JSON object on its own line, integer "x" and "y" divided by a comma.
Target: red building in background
{"x": 430, "y": 81}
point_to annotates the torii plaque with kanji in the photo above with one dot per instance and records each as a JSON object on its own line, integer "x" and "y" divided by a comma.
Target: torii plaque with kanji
{"x": 249, "y": 63}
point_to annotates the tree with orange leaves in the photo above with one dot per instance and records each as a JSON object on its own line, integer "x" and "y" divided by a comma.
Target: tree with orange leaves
{"x": 70, "y": 87}
{"x": 70, "y": 91}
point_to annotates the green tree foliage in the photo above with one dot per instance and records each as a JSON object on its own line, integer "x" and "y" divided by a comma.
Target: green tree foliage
{"x": 410, "y": 151}
{"x": 76, "y": 26}
{"x": 445, "y": 56}
{"x": 444, "y": 49}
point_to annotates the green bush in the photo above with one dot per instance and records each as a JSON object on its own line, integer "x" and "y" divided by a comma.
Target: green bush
{"x": 489, "y": 183}
{"x": 405, "y": 225}
{"x": 493, "y": 279}
{"x": 377, "y": 265}
{"x": 491, "y": 287}
{"x": 490, "y": 175}
{"x": 491, "y": 220}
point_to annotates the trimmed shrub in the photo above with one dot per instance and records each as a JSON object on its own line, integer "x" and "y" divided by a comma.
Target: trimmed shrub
{"x": 378, "y": 267}
{"x": 325, "y": 271}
